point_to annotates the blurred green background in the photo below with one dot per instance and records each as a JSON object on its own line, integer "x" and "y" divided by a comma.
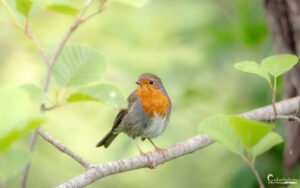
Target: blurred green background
{"x": 191, "y": 45}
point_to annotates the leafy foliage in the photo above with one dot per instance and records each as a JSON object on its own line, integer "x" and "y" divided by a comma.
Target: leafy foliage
{"x": 23, "y": 6}
{"x": 237, "y": 134}
{"x": 136, "y": 3}
{"x": 219, "y": 128}
{"x": 273, "y": 65}
{"x": 35, "y": 93}
{"x": 78, "y": 65}
{"x": 267, "y": 142}
{"x": 250, "y": 132}
{"x": 15, "y": 134}
{"x": 106, "y": 93}
{"x": 63, "y": 8}
{"x": 278, "y": 64}
{"x": 15, "y": 117}
{"x": 252, "y": 67}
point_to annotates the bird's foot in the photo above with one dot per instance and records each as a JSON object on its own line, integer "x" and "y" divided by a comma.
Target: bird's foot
{"x": 152, "y": 163}
{"x": 161, "y": 151}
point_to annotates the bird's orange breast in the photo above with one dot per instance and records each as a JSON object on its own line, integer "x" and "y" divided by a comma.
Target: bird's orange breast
{"x": 153, "y": 100}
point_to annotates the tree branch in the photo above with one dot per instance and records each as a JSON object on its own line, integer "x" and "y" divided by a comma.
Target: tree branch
{"x": 63, "y": 148}
{"x": 285, "y": 107}
{"x": 96, "y": 172}
{"x": 99, "y": 171}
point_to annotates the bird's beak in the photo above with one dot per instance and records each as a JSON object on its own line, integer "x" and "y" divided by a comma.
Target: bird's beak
{"x": 138, "y": 83}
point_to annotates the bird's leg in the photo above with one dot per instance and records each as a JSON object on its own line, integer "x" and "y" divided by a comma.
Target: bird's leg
{"x": 138, "y": 147}
{"x": 152, "y": 163}
{"x": 158, "y": 149}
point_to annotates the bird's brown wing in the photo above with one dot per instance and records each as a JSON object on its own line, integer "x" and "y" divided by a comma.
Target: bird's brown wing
{"x": 119, "y": 118}
{"x": 131, "y": 99}
{"x": 113, "y": 133}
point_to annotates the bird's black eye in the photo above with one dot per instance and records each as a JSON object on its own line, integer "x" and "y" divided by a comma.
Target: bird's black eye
{"x": 151, "y": 82}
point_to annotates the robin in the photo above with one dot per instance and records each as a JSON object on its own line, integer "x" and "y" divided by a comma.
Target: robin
{"x": 147, "y": 115}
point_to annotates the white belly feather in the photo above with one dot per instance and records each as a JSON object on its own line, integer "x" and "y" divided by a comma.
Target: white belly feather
{"x": 157, "y": 126}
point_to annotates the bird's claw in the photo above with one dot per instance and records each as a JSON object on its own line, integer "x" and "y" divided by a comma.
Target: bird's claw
{"x": 152, "y": 163}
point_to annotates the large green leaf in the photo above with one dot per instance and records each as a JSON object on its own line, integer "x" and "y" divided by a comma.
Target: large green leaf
{"x": 136, "y": 3}
{"x": 78, "y": 65}
{"x": 16, "y": 133}
{"x": 36, "y": 93}
{"x": 15, "y": 116}
{"x": 252, "y": 67}
{"x": 12, "y": 162}
{"x": 23, "y": 7}
{"x": 14, "y": 108}
{"x": 249, "y": 131}
{"x": 63, "y": 8}
{"x": 218, "y": 127}
{"x": 279, "y": 64}
{"x": 267, "y": 142}
{"x": 106, "y": 93}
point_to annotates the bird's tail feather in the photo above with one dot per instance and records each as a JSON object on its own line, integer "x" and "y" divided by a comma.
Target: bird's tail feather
{"x": 107, "y": 140}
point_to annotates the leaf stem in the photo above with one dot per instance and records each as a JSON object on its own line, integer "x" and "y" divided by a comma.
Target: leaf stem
{"x": 274, "y": 98}
{"x": 251, "y": 162}
{"x": 252, "y": 166}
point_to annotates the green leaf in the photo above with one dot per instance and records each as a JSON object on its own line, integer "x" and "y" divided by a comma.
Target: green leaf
{"x": 252, "y": 67}
{"x": 17, "y": 133}
{"x": 14, "y": 109}
{"x": 250, "y": 132}
{"x": 64, "y": 9}
{"x": 78, "y": 65}
{"x": 15, "y": 116}
{"x": 136, "y": 3}
{"x": 36, "y": 93}
{"x": 279, "y": 64}
{"x": 13, "y": 162}
{"x": 106, "y": 93}
{"x": 218, "y": 127}
{"x": 23, "y": 6}
{"x": 266, "y": 143}
{"x": 80, "y": 96}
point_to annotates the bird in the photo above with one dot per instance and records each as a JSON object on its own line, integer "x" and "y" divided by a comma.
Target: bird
{"x": 147, "y": 114}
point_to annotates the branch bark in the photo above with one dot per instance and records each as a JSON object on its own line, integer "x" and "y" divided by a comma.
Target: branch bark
{"x": 96, "y": 172}
{"x": 101, "y": 170}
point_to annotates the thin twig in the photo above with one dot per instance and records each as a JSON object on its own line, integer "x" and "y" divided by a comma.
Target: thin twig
{"x": 274, "y": 97}
{"x": 254, "y": 171}
{"x": 31, "y": 148}
{"x": 63, "y": 148}
{"x": 54, "y": 107}
{"x": 288, "y": 117}
{"x": 98, "y": 11}
{"x": 257, "y": 176}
